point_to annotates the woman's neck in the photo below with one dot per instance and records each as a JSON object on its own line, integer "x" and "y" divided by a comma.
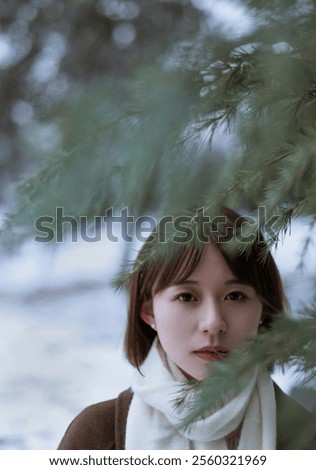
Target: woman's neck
{"x": 232, "y": 440}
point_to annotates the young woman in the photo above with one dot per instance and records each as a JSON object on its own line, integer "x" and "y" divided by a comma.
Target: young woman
{"x": 191, "y": 304}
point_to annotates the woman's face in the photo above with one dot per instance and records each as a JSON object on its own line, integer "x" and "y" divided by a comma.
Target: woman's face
{"x": 206, "y": 316}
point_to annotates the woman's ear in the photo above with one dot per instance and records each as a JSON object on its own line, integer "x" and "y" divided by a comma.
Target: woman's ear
{"x": 147, "y": 314}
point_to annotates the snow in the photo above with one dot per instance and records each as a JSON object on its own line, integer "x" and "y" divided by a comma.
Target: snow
{"x": 289, "y": 250}
{"x": 63, "y": 327}
{"x": 233, "y": 19}
{"x": 62, "y": 338}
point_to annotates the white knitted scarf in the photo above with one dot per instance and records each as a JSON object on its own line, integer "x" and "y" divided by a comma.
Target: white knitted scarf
{"x": 153, "y": 422}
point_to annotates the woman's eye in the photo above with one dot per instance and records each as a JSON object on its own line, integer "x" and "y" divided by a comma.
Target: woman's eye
{"x": 235, "y": 296}
{"x": 186, "y": 297}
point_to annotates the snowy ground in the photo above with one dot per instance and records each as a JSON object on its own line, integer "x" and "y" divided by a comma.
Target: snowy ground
{"x": 62, "y": 329}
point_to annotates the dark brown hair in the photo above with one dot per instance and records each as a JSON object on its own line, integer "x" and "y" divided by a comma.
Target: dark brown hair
{"x": 158, "y": 264}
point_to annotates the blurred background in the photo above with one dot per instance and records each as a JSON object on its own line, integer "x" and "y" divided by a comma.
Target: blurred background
{"x": 151, "y": 105}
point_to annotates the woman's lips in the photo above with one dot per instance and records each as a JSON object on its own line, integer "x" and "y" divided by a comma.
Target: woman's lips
{"x": 212, "y": 353}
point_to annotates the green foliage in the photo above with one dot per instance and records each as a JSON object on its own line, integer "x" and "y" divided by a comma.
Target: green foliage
{"x": 54, "y": 51}
{"x": 139, "y": 138}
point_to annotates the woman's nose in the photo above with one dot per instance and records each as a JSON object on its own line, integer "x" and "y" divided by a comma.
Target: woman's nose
{"x": 212, "y": 320}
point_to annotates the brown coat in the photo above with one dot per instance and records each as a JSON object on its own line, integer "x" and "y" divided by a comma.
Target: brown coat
{"x": 102, "y": 426}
